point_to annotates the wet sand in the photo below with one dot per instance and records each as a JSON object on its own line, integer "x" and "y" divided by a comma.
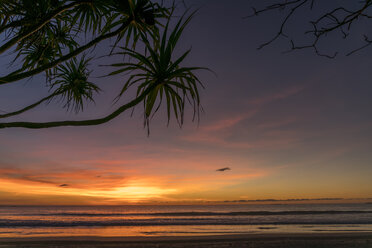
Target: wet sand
{"x": 321, "y": 240}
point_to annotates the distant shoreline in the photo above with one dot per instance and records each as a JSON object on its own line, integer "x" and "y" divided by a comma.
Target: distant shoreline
{"x": 292, "y": 201}
{"x": 285, "y": 240}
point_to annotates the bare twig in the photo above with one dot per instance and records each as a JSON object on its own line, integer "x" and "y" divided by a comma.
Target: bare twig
{"x": 339, "y": 19}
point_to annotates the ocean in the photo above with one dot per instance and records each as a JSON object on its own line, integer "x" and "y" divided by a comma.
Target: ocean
{"x": 185, "y": 220}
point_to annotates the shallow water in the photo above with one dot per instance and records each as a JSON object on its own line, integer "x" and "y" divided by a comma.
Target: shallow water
{"x": 28, "y": 221}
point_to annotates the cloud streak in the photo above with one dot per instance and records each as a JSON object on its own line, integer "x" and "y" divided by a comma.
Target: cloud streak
{"x": 269, "y": 98}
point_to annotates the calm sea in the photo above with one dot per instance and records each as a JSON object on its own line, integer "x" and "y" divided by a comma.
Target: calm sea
{"x": 27, "y": 221}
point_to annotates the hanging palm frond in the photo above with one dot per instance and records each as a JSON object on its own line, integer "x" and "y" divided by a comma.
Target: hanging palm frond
{"x": 160, "y": 71}
{"x": 72, "y": 84}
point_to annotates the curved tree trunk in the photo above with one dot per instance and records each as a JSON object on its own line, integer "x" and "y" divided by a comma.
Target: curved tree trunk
{"x": 15, "y": 77}
{"x": 92, "y": 122}
{"x": 28, "y": 107}
{"x": 47, "y": 19}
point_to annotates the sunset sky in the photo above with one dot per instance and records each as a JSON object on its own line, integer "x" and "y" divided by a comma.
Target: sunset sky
{"x": 289, "y": 125}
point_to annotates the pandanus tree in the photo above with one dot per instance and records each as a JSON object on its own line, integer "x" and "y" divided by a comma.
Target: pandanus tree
{"x": 44, "y": 36}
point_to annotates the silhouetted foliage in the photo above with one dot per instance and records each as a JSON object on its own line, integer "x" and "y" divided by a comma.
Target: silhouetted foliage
{"x": 325, "y": 18}
{"x": 45, "y": 37}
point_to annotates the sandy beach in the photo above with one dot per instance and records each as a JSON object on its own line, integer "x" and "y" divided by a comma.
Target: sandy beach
{"x": 323, "y": 240}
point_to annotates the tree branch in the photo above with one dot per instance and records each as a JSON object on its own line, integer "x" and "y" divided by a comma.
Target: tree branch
{"x": 37, "y": 27}
{"x": 28, "y": 107}
{"x": 281, "y": 30}
{"x": 39, "y": 125}
{"x": 15, "y": 77}
{"x": 339, "y": 19}
{"x": 12, "y": 24}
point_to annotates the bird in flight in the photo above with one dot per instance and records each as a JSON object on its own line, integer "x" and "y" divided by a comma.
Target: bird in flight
{"x": 224, "y": 169}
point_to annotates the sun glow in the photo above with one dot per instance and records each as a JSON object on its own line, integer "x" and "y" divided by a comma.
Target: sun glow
{"x": 130, "y": 193}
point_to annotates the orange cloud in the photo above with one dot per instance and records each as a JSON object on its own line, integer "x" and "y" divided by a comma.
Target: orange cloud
{"x": 228, "y": 122}
{"x": 277, "y": 95}
{"x": 218, "y": 133}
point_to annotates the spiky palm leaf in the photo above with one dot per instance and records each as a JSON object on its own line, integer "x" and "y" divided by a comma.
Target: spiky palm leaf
{"x": 48, "y": 42}
{"x": 5, "y": 11}
{"x": 163, "y": 75}
{"x": 46, "y": 49}
{"x": 143, "y": 16}
{"x": 33, "y": 12}
{"x": 90, "y": 17}
{"x": 72, "y": 84}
